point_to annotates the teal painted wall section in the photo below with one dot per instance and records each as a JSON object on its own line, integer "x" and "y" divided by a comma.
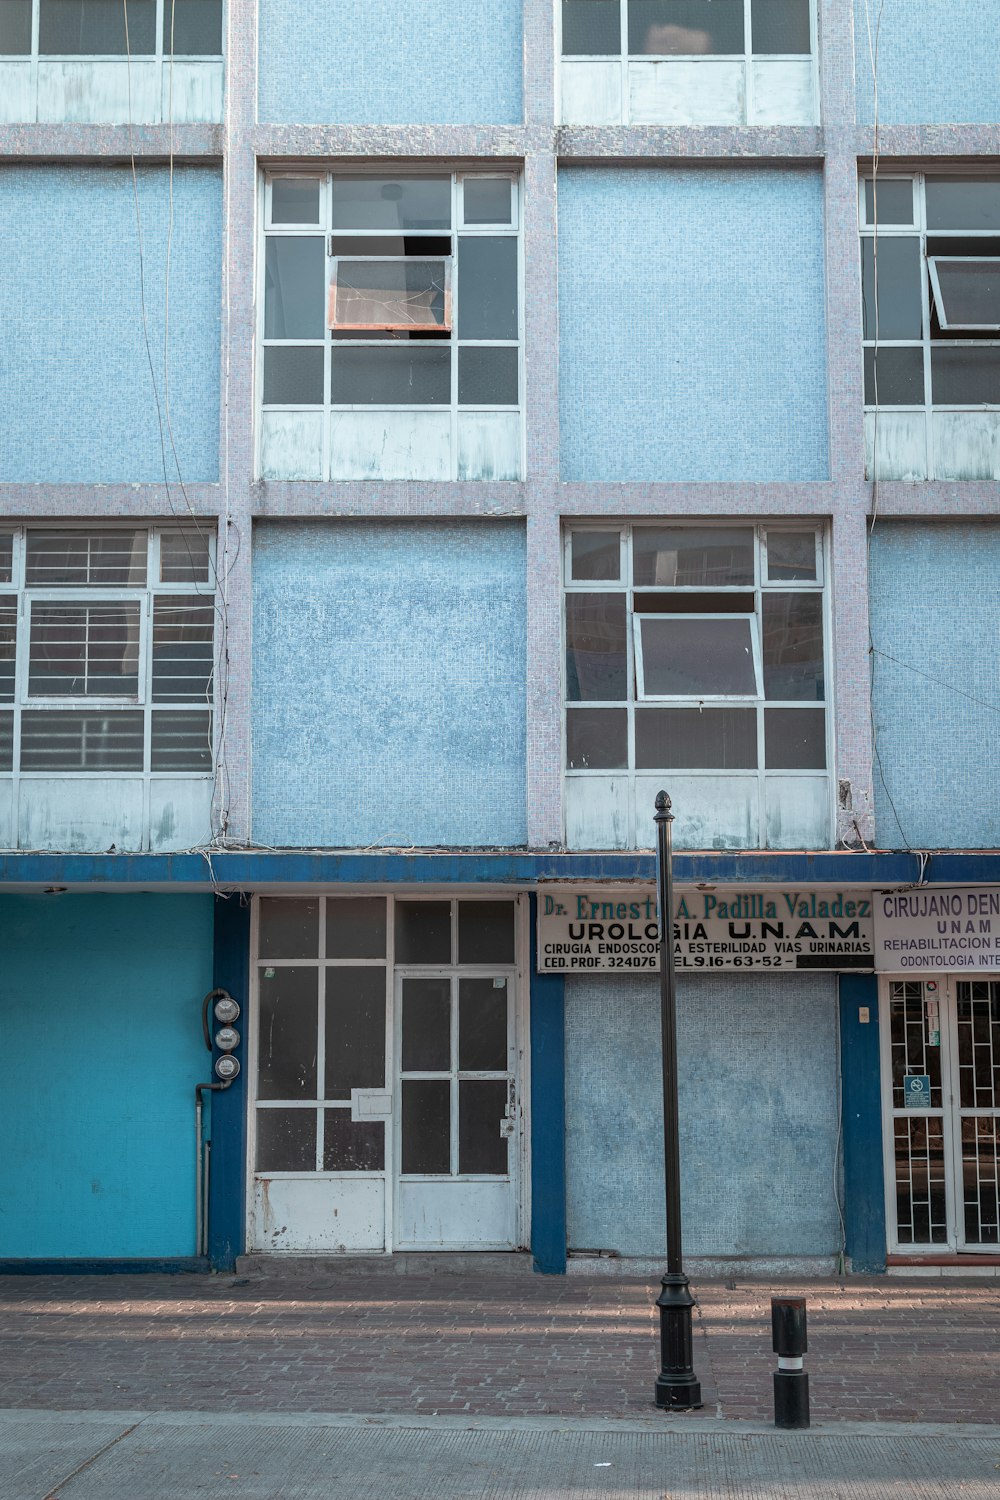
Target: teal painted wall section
{"x": 100, "y": 1050}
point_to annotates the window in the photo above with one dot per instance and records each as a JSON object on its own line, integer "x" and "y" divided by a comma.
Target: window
{"x": 107, "y": 651}
{"x": 107, "y": 28}
{"x": 930, "y": 257}
{"x": 391, "y": 327}
{"x": 687, "y": 61}
{"x": 696, "y": 653}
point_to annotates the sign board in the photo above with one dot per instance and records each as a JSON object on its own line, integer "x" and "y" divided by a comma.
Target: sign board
{"x": 937, "y": 927}
{"x": 604, "y": 929}
{"x": 917, "y": 1091}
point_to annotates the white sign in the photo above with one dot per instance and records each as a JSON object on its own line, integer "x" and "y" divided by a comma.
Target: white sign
{"x": 603, "y": 929}
{"x": 937, "y": 928}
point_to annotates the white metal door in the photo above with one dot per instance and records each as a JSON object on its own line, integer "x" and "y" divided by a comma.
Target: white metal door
{"x": 456, "y": 1110}
{"x": 941, "y": 1106}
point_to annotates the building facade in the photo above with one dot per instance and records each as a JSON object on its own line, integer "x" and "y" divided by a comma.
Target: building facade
{"x": 431, "y": 431}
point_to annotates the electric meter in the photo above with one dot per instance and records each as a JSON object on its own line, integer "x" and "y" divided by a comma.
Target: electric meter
{"x": 227, "y": 1067}
{"x": 226, "y": 1038}
{"x": 227, "y": 1010}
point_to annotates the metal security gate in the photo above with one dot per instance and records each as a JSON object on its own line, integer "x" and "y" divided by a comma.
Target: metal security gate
{"x": 941, "y": 1105}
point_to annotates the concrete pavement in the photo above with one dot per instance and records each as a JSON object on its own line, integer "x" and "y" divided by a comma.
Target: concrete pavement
{"x": 274, "y": 1456}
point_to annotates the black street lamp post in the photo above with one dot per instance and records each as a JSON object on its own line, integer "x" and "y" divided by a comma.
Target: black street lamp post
{"x": 676, "y": 1385}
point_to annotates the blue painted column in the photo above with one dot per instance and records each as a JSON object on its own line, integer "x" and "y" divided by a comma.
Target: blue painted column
{"x": 227, "y": 1185}
{"x": 864, "y": 1178}
{"x": 548, "y": 1115}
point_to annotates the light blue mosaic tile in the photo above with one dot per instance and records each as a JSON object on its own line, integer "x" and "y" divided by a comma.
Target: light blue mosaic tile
{"x": 758, "y": 1105}
{"x": 937, "y": 62}
{"x": 453, "y": 62}
{"x": 692, "y": 324}
{"x": 75, "y": 385}
{"x": 935, "y": 603}
{"x": 389, "y": 683}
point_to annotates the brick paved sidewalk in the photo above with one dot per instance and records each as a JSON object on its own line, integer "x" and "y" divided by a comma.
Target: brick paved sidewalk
{"x": 878, "y": 1349}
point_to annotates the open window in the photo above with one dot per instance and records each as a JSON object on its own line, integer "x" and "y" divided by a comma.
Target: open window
{"x": 408, "y": 294}
{"x": 701, "y": 656}
{"x": 966, "y": 292}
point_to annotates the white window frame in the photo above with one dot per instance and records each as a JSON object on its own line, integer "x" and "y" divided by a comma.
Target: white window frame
{"x": 682, "y": 699}
{"x": 940, "y": 302}
{"x": 159, "y": 54}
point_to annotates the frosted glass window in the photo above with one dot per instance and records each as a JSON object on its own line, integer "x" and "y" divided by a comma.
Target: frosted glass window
{"x": 192, "y": 28}
{"x": 15, "y": 27}
{"x": 487, "y": 200}
{"x": 294, "y": 276}
{"x": 295, "y": 200}
{"x": 780, "y": 27}
{"x": 391, "y": 203}
{"x": 591, "y": 28}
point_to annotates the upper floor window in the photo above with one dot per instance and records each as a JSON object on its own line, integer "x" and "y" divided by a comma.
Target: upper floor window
{"x": 695, "y": 656}
{"x": 390, "y": 324}
{"x": 101, "y": 61}
{"x": 688, "y": 62}
{"x": 930, "y": 260}
{"x": 107, "y": 652}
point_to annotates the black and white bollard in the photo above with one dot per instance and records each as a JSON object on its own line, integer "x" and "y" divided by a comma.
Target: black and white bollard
{"x": 791, "y": 1383}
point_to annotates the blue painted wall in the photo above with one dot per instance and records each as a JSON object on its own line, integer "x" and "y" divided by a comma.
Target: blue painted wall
{"x": 548, "y": 1114}
{"x": 75, "y": 386}
{"x": 389, "y": 683}
{"x": 864, "y": 1175}
{"x": 937, "y": 62}
{"x": 935, "y": 601}
{"x": 100, "y": 1050}
{"x": 758, "y": 1104}
{"x": 452, "y": 62}
{"x": 228, "y": 1107}
{"x": 692, "y": 324}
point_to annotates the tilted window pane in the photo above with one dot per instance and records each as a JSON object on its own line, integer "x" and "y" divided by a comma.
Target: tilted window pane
{"x": 591, "y": 28}
{"x": 795, "y": 739}
{"x": 54, "y": 740}
{"x": 697, "y": 658}
{"x": 84, "y": 650}
{"x": 355, "y": 1030}
{"x": 482, "y": 1104}
{"x": 487, "y": 287}
{"x": 289, "y": 928}
{"x": 894, "y": 376}
{"x": 355, "y": 927}
{"x": 352, "y": 1145}
{"x": 15, "y": 27}
{"x": 486, "y": 200}
{"x": 963, "y": 203}
{"x": 965, "y": 375}
{"x": 391, "y": 202}
{"x": 287, "y": 1033}
{"x": 183, "y": 648}
{"x": 482, "y": 1025}
{"x": 888, "y": 201}
{"x": 780, "y": 26}
{"x": 596, "y": 652}
{"x": 96, "y": 27}
{"x": 181, "y": 741}
{"x": 682, "y": 28}
{"x": 185, "y": 556}
{"x": 391, "y": 294}
{"x": 485, "y": 932}
{"x": 8, "y": 646}
{"x": 595, "y": 555}
{"x": 596, "y": 739}
{"x": 423, "y": 932}
{"x": 286, "y": 1140}
{"x": 295, "y": 200}
{"x": 294, "y": 280}
{"x": 391, "y": 375}
{"x": 293, "y": 376}
{"x": 791, "y": 556}
{"x": 425, "y": 1127}
{"x": 710, "y": 739}
{"x": 425, "y": 1027}
{"x": 6, "y": 741}
{"x": 75, "y": 559}
{"x": 966, "y": 292}
{"x": 899, "y": 314}
{"x": 6, "y": 557}
{"x": 792, "y": 646}
{"x": 488, "y": 377}
{"x": 693, "y": 556}
{"x": 192, "y": 28}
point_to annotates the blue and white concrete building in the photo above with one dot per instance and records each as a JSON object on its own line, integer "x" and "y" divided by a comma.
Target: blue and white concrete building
{"x": 429, "y": 432}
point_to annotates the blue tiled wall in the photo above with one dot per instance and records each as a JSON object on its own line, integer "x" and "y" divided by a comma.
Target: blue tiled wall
{"x": 75, "y": 386}
{"x": 100, "y": 1019}
{"x": 935, "y": 602}
{"x": 450, "y": 62}
{"x": 758, "y": 1106}
{"x": 389, "y": 683}
{"x": 937, "y": 62}
{"x": 691, "y": 311}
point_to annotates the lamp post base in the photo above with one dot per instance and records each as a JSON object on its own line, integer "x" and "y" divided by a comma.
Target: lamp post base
{"x": 677, "y": 1387}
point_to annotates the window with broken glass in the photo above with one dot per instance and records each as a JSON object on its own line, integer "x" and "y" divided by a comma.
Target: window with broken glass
{"x": 930, "y": 259}
{"x": 698, "y": 652}
{"x": 109, "y": 29}
{"x": 106, "y": 651}
{"x": 391, "y": 306}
